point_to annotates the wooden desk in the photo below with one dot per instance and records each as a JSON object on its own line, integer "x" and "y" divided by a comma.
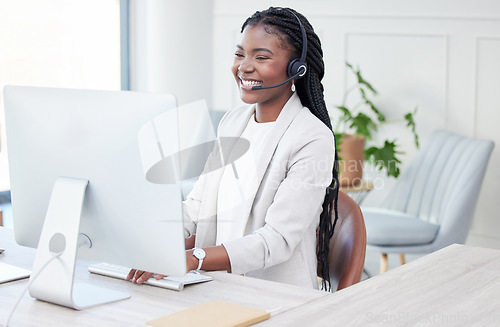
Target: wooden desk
{"x": 147, "y": 302}
{"x": 456, "y": 286}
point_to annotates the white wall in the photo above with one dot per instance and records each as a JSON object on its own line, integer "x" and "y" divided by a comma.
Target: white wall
{"x": 440, "y": 55}
{"x": 171, "y": 48}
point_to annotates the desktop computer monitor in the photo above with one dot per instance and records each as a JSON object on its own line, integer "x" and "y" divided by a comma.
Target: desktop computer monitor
{"x": 74, "y": 157}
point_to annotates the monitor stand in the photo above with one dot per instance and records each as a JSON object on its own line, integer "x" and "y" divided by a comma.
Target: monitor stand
{"x": 60, "y": 233}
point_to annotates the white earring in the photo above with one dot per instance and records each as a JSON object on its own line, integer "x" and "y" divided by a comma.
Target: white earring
{"x": 293, "y": 86}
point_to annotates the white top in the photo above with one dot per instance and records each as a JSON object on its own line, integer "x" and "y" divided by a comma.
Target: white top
{"x": 237, "y": 181}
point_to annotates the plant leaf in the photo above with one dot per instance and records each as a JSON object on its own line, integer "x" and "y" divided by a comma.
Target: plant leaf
{"x": 364, "y": 82}
{"x": 363, "y": 125}
{"x": 346, "y": 112}
{"x": 380, "y": 116}
{"x": 385, "y": 157}
{"x": 363, "y": 94}
{"x": 361, "y": 80}
{"x": 411, "y": 123}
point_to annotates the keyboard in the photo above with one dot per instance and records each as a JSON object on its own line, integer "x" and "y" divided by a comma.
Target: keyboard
{"x": 172, "y": 283}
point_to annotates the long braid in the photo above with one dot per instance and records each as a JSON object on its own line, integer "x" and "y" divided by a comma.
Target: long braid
{"x": 310, "y": 92}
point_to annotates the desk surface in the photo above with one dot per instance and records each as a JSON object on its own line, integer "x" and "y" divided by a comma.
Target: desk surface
{"x": 146, "y": 303}
{"x": 456, "y": 286}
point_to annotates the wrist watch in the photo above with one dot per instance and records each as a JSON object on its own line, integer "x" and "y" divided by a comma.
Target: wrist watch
{"x": 200, "y": 255}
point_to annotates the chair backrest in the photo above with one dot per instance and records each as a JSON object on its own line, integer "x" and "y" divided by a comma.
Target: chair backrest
{"x": 442, "y": 183}
{"x": 347, "y": 245}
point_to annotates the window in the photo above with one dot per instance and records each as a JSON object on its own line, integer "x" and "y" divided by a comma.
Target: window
{"x": 57, "y": 43}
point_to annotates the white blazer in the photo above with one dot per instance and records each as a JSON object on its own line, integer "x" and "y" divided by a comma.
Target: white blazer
{"x": 295, "y": 170}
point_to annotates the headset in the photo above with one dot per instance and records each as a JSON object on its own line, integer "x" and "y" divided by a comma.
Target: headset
{"x": 297, "y": 68}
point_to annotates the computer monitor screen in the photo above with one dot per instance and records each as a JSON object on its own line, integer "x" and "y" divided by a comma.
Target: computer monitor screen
{"x": 93, "y": 136}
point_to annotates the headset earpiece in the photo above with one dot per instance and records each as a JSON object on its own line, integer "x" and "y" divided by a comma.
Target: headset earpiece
{"x": 296, "y": 68}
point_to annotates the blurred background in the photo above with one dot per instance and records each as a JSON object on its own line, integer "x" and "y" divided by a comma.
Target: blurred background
{"x": 440, "y": 56}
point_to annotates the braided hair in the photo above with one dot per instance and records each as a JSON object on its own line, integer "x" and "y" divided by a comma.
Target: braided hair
{"x": 284, "y": 23}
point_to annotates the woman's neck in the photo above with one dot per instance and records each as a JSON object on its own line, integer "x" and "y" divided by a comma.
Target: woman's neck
{"x": 268, "y": 112}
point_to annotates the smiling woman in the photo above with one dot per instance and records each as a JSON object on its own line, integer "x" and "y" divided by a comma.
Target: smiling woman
{"x": 261, "y": 59}
{"x": 262, "y": 215}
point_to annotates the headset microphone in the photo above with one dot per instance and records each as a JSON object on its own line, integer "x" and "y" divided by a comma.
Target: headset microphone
{"x": 298, "y": 75}
{"x": 297, "y": 68}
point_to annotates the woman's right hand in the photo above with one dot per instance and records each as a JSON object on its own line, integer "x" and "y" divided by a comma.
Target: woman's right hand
{"x": 140, "y": 276}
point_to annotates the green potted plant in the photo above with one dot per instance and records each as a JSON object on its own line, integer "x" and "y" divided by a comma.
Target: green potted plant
{"x": 357, "y": 125}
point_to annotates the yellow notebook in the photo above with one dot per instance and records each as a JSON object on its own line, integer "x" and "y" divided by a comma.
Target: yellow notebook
{"x": 213, "y": 313}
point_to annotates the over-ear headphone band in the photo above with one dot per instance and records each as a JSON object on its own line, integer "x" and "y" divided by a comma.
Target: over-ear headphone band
{"x": 296, "y": 68}
{"x": 304, "y": 39}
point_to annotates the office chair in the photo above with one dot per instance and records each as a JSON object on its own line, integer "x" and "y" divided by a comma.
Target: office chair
{"x": 347, "y": 245}
{"x": 433, "y": 202}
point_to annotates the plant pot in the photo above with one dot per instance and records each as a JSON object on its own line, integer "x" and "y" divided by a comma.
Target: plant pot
{"x": 351, "y": 165}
